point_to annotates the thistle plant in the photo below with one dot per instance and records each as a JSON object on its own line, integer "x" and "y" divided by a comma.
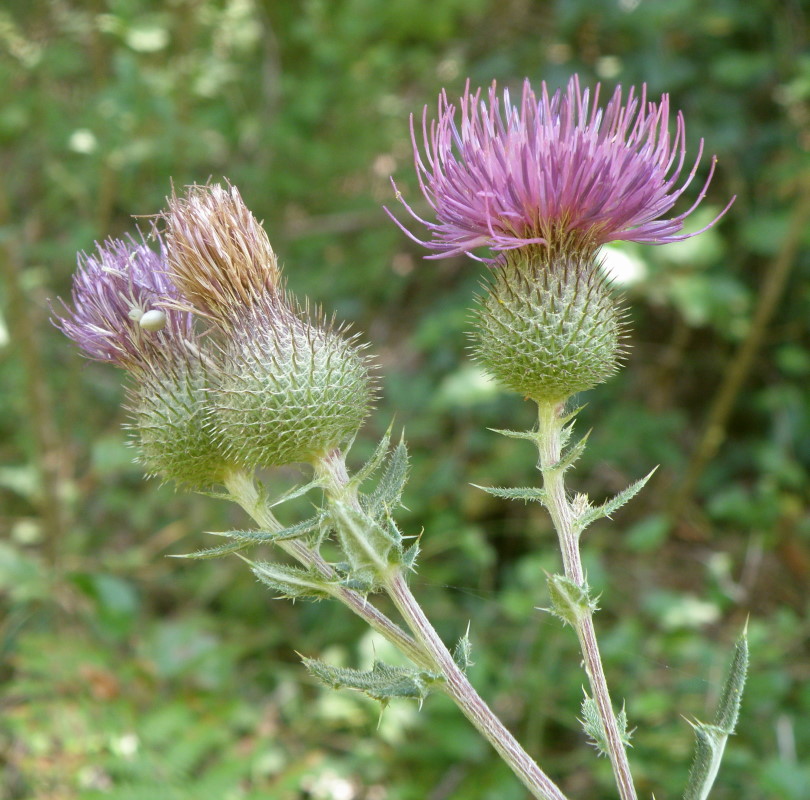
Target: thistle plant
{"x": 230, "y": 374}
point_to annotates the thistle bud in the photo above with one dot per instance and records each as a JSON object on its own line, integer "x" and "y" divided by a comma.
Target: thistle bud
{"x": 548, "y": 326}
{"x": 290, "y": 386}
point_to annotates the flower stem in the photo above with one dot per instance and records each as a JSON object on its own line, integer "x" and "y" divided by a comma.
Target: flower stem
{"x": 332, "y": 470}
{"x": 549, "y": 443}
{"x": 243, "y": 490}
{"x": 459, "y": 688}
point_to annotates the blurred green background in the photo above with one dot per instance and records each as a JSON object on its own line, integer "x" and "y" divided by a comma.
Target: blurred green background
{"x": 128, "y": 675}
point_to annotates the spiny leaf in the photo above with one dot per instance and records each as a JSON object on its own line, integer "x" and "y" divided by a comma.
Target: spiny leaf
{"x": 296, "y": 491}
{"x": 525, "y": 493}
{"x": 389, "y": 490}
{"x": 216, "y": 552}
{"x": 382, "y": 682}
{"x": 244, "y": 539}
{"x": 571, "y": 414}
{"x": 532, "y": 436}
{"x": 614, "y": 504}
{"x": 257, "y": 537}
{"x": 728, "y": 707}
{"x": 377, "y": 458}
{"x": 219, "y": 495}
{"x": 572, "y": 456}
{"x": 462, "y": 652}
{"x": 410, "y": 555}
{"x": 710, "y": 740}
{"x": 292, "y": 583}
{"x": 364, "y": 542}
{"x": 570, "y": 601}
{"x": 593, "y": 727}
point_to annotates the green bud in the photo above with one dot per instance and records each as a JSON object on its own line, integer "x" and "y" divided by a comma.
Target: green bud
{"x": 548, "y": 326}
{"x": 291, "y": 389}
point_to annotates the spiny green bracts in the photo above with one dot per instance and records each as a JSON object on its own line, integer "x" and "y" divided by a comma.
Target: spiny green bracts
{"x": 548, "y": 326}
{"x": 291, "y": 388}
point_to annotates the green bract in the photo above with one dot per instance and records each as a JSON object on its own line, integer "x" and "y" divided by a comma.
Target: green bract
{"x": 548, "y": 327}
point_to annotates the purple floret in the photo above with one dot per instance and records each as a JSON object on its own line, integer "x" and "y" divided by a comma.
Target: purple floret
{"x": 552, "y": 171}
{"x": 112, "y": 289}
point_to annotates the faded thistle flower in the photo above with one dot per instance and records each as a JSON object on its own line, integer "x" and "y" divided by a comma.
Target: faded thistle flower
{"x": 123, "y": 314}
{"x": 220, "y": 257}
{"x": 119, "y": 314}
{"x": 291, "y": 387}
{"x": 543, "y": 184}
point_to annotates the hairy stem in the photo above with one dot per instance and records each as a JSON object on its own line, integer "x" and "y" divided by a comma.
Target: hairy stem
{"x": 549, "y": 442}
{"x": 459, "y": 688}
{"x": 333, "y": 472}
{"x": 243, "y": 490}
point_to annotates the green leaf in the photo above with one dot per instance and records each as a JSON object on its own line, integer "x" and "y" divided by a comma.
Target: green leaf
{"x": 410, "y": 555}
{"x": 216, "y": 494}
{"x": 388, "y": 493}
{"x": 532, "y": 436}
{"x": 569, "y": 601}
{"x": 710, "y": 740}
{"x": 525, "y": 493}
{"x": 291, "y": 583}
{"x": 376, "y": 460}
{"x": 296, "y": 491}
{"x": 216, "y": 552}
{"x": 614, "y": 504}
{"x": 382, "y": 682}
{"x": 571, "y": 414}
{"x": 245, "y": 539}
{"x": 462, "y": 652}
{"x": 572, "y": 456}
{"x": 282, "y": 534}
{"x": 593, "y": 727}
{"x": 366, "y": 545}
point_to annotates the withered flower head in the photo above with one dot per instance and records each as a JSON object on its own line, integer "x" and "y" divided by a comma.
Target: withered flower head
{"x": 219, "y": 255}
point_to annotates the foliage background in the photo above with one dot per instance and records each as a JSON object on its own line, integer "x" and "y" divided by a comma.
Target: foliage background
{"x": 129, "y": 675}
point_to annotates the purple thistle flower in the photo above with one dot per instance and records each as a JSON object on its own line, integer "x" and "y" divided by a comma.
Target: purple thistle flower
{"x": 550, "y": 171}
{"x": 121, "y": 307}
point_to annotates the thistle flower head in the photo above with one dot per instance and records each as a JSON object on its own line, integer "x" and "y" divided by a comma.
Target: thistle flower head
{"x": 556, "y": 170}
{"x": 119, "y": 313}
{"x": 219, "y": 255}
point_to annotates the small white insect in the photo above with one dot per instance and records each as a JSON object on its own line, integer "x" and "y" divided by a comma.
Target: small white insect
{"x": 153, "y": 320}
